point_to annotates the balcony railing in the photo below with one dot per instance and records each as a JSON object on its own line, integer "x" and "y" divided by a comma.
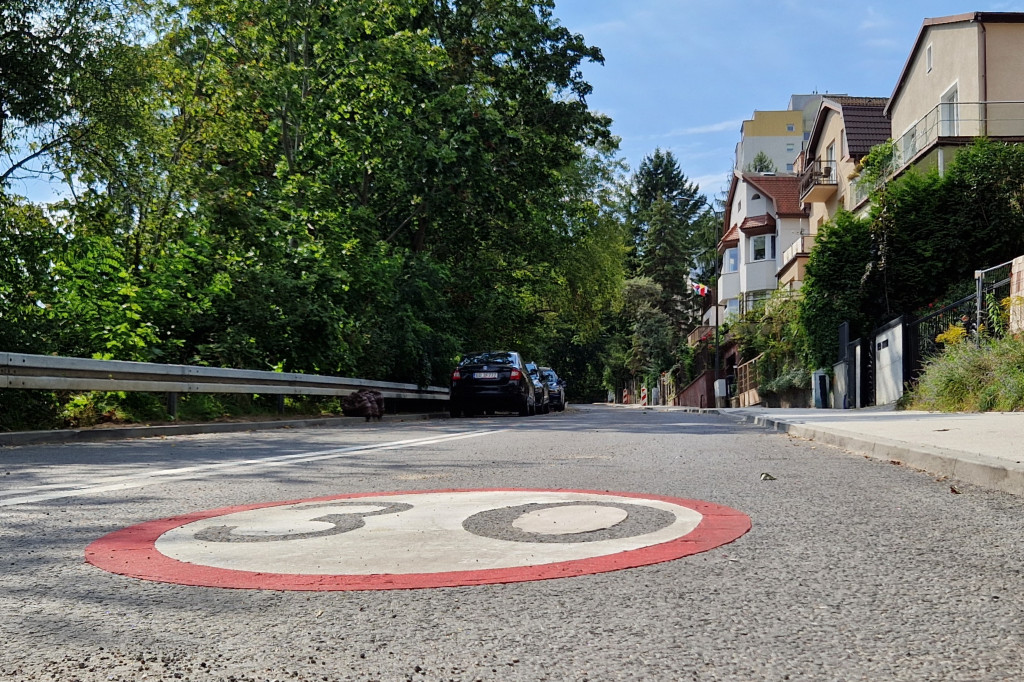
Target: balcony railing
{"x": 699, "y": 334}
{"x": 951, "y": 120}
{"x": 801, "y": 247}
{"x": 819, "y": 180}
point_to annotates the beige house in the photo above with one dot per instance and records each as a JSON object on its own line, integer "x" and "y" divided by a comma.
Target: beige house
{"x": 963, "y": 80}
{"x": 843, "y": 132}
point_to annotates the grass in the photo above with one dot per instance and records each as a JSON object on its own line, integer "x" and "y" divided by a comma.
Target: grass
{"x": 969, "y": 378}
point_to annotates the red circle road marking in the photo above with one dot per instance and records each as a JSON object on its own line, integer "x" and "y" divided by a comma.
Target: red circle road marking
{"x": 132, "y": 551}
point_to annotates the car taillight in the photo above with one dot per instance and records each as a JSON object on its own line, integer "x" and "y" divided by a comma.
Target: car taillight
{"x": 514, "y": 375}
{"x": 456, "y": 376}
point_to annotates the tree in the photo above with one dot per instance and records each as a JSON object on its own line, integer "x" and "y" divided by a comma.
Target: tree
{"x": 835, "y": 288}
{"x": 761, "y": 163}
{"x": 65, "y": 77}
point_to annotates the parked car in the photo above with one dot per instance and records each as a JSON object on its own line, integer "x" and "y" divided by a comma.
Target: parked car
{"x": 540, "y": 389}
{"x": 556, "y": 388}
{"x": 491, "y": 381}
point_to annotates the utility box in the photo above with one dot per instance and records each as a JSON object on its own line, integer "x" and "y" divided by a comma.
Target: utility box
{"x": 721, "y": 392}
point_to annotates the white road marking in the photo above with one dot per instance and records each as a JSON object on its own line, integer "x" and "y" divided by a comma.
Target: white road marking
{"x": 427, "y": 537}
{"x": 46, "y": 492}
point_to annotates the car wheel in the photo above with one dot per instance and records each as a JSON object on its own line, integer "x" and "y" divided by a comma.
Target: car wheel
{"x": 526, "y": 409}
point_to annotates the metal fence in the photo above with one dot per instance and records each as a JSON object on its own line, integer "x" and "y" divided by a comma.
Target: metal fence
{"x": 44, "y": 372}
{"x": 973, "y": 317}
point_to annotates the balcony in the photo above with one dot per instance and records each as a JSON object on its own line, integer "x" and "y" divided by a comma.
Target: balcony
{"x": 800, "y": 248}
{"x": 699, "y": 334}
{"x": 819, "y": 181}
{"x": 959, "y": 123}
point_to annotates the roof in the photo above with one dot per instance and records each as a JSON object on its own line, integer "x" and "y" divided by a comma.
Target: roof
{"x": 730, "y": 239}
{"x": 784, "y": 190}
{"x": 864, "y": 123}
{"x": 755, "y": 225}
{"x": 979, "y": 17}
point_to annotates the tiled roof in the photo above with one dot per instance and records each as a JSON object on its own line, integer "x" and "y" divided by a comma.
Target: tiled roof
{"x": 864, "y": 123}
{"x": 866, "y": 126}
{"x": 783, "y": 189}
{"x": 754, "y": 225}
{"x": 730, "y": 239}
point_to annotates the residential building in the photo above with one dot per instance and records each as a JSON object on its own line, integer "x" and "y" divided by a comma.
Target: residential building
{"x": 775, "y": 134}
{"x": 843, "y": 132}
{"x": 962, "y": 80}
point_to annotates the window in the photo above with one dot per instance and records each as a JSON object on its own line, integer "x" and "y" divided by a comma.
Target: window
{"x": 949, "y": 114}
{"x": 928, "y": 59}
{"x": 791, "y": 147}
{"x": 790, "y": 128}
{"x": 755, "y": 197}
{"x": 732, "y": 307}
{"x": 762, "y": 247}
{"x": 789, "y": 168}
{"x": 731, "y": 260}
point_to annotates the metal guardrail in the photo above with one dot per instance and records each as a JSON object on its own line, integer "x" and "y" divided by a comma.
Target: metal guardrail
{"x": 45, "y": 372}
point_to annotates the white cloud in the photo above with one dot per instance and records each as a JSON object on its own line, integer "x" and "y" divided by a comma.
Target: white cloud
{"x": 874, "y": 20}
{"x": 711, "y": 128}
{"x": 711, "y": 185}
{"x": 721, "y": 127}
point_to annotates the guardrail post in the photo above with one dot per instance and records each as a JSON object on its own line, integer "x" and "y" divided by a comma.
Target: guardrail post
{"x": 172, "y": 405}
{"x": 280, "y": 403}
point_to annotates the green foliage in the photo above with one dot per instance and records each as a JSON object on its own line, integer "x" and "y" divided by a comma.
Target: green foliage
{"x": 761, "y": 163}
{"x": 835, "y": 288}
{"x": 875, "y": 168}
{"x": 967, "y": 377}
{"x": 362, "y": 188}
{"x": 672, "y": 237}
{"x": 775, "y": 332}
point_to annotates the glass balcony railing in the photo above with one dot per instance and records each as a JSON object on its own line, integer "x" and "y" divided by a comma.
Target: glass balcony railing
{"x": 956, "y": 120}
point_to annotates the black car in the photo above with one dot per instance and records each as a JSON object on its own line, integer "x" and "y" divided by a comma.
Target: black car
{"x": 491, "y": 381}
{"x": 540, "y": 389}
{"x": 556, "y": 388}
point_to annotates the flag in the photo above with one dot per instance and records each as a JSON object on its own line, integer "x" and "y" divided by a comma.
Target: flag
{"x": 701, "y": 289}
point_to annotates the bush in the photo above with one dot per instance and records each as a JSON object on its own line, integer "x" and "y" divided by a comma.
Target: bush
{"x": 968, "y": 378}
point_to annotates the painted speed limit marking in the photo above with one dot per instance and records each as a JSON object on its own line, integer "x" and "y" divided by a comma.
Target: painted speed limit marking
{"x": 417, "y": 539}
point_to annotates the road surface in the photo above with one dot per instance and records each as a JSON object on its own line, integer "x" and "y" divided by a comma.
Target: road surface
{"x": 852, "y": 569}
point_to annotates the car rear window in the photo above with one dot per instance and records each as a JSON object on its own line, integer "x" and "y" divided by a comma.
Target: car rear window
{"x": 490, "y": 358}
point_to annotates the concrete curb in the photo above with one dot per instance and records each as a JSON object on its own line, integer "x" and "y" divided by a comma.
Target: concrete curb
{"x": 970, "y": 468}
{"x": 17, "y": 438}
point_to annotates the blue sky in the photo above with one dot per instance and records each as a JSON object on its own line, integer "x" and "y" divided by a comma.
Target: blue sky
{"x": 683, "y": 74}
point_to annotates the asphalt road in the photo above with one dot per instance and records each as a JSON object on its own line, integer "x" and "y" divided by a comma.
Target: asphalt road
{"x": 854, "y": 569}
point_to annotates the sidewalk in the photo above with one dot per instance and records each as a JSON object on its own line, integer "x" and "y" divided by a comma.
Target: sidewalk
{"x": 985, "y": 449}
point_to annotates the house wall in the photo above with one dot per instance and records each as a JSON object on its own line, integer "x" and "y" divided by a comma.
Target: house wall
{"x": 767, "y": 133}
{"x": 955, "y": 61}
{"x": 759, "y": 275}
{"x": 789, "y": 231}
{"x": 832, "y": 133}
{"x": 1004, "y": 62}
{"x": 728, "y": 286}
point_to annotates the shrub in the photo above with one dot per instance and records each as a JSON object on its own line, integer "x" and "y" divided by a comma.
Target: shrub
{"x": 969, "y": 378}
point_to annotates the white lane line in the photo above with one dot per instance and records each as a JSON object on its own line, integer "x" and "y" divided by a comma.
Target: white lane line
{"x": 32, "y": 495}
